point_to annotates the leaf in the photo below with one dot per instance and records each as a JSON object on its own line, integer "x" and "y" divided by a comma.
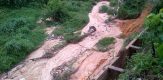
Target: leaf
{"x": 160, "y": 51}
{"x": 161, "y": 37}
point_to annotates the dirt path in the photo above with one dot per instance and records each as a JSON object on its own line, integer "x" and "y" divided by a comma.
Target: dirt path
{"x": 91, "y": 63}
{"x": 85, "y": 59}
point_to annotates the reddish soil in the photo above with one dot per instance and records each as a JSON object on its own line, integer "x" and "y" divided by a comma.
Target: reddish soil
{"x": 88, "y": 62}
{"x": 130, "y": 26}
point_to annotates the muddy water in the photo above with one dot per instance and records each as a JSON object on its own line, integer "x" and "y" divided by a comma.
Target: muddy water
{"x": 87, "y": 61}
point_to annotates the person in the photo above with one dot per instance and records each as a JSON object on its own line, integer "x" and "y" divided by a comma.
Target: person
{"x": 92, "y": 29}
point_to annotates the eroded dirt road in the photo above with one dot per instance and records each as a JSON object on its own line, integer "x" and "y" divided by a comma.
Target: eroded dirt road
{"x": 81, "y": 57}
{"x": 87, "y": 62}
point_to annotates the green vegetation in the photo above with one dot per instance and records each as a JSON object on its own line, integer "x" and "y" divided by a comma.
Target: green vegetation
{"x": 113, "y": 3}
{"x": 56, "y": 11}
{"x": 76, "y": 13}
{"x": 21, "y": 3}
{"x": 158, "y": 4}
{"x": 72, "y": 38}
{"x": 104, "y": 43}
{"x": 154, "y": 33}
{"x": 131, "y": 9}
{"x": 104, "y": 9}
{"x": 108, "y": 10}
{"x": 20, "y": 34}
{"x": 148, "y": 64}
{"x": 128, "y": 9}
{"x": 142, "y": 66}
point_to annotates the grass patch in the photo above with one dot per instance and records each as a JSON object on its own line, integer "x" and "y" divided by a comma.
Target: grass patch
{"x": 104, "y": 9}
{"x": 31, "y": 13}
{"x": 19, "y": 35}
{"x": 103, "y": 44}
{"x": 78, "y": 18}
{"x": 72, "y": 38}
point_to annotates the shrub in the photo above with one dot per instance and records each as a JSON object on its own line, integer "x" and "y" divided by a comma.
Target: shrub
{"x": 18, "y": 45}
{"x": 12, "y": 25}
{"x": 23, "y": 36}
{"x": 158, "y": 5}
{"x": 76, "y": 21}
{"x": 136, "y": 65}
{"x": 160, "y": 51}
{"x": 113, "y": 2}
{"x": 128, "y": 9}
{"x": 125, "y": 13}
{"x": 24, "y": 30}
{"x": 72, "y": 25}
{"x": 13, "y": 3}
{"x": 6, "y": 62}
{"x": 142, "y": 66}
{"x": 103, "y": 44}
{"x": 72, "y": 5}
{"x": 56, "y": 11}
{"x": 20, "y": 3}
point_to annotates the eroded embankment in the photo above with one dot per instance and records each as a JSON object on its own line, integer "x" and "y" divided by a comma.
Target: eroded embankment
{"x": 78, "y": 61}
{"x": 130, "y": 26}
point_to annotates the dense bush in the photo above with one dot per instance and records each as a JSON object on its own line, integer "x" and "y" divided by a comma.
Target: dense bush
{"x": 154, "y": 32}
{"x": 158, "y": 4}
{"x": 21, "y": 39}
{"x": 113, "y": 2}
{"x": 128, "y": 9}
{"x": 160, "y": 51}
{"x": 131, "y": 9}
{"x": 17, "y": 46}
{"x": 20, "y": 3}
{"x": 56, "y": 11}
{"x": 78, "y": 11}
{"x": 142, "y": 66}
{"x": 12, "y": 25}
